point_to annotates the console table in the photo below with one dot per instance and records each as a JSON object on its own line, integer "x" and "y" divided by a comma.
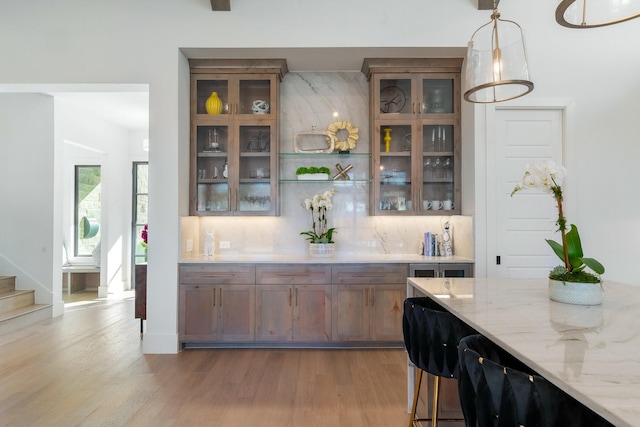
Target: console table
{"x": 141, "y": 295}
{"x": 590, "y": 352}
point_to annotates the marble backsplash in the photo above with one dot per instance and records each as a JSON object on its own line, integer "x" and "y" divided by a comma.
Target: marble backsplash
{"x": 308, "y": 101}
{"x": 362, "y": 235}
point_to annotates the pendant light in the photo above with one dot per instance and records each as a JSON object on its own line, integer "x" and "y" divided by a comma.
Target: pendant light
{"x": 496, "y": 63}
{"x": 596, "y": 13}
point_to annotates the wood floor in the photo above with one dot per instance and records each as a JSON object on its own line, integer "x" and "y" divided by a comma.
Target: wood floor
{"x": 86, "y": 368}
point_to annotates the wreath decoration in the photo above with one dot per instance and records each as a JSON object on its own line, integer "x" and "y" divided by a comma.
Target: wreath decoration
{"x": 352, "y": 135}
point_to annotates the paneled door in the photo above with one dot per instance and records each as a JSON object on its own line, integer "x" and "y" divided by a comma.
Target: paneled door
{"x": 521, "y": 136}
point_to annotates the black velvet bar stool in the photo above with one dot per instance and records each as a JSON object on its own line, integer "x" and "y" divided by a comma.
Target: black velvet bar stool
{"x": 431, "y": 337}
{"x": 496, "y": 390}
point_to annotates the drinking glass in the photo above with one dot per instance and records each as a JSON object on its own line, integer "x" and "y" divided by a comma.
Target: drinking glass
{"x": 448, "y": 168}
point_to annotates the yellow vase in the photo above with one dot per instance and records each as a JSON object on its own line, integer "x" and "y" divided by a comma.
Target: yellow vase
{"x": 214, "y": 104}
{"x": 387, "y": 139}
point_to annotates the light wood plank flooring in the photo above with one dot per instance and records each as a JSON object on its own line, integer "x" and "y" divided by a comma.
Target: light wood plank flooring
{"x": 86, "y": 368}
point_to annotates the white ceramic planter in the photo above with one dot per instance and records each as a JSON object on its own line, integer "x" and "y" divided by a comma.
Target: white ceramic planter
{"x": 313, "y": 177}
{"x": 322, "y": 250}
{"x": 575, "y": 293}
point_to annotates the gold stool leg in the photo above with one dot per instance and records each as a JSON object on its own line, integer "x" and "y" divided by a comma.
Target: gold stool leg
{"x": 435, "y": 407}
{"x": 416, "y": 392}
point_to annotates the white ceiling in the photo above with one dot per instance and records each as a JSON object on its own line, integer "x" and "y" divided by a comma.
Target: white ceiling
{"x": 129, "y": 110}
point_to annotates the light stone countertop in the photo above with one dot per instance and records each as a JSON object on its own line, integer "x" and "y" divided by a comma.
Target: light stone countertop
{"x": 338, "y": 258}
{"x": 591, "y": 352}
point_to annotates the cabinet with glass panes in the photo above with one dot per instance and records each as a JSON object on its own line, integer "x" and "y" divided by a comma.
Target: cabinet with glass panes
{"x": 234, "y": 138}
{"x": 415, "y": 134}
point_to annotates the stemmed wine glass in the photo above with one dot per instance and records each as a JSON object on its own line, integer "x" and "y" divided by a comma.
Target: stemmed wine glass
{"x": 448, "y": 168}
{"x": 427, "y": 166}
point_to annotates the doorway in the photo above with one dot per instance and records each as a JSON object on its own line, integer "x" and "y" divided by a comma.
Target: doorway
{"x": 519, "y": 225}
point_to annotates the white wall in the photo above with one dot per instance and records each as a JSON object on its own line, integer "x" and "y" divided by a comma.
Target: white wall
{"x": 73, "y": 41}
{"x": 27, "y": 193}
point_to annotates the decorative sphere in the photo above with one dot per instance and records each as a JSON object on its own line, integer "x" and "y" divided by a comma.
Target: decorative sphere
{"x": 260, "y": 107}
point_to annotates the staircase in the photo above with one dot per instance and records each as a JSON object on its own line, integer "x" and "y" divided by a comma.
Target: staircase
{"x": 18, "y": 308}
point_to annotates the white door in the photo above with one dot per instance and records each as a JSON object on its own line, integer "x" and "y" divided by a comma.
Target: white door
{"x": 520, "y": 136}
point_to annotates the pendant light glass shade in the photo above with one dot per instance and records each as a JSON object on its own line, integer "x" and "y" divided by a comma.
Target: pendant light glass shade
{"x": 496, "y": 63}
{"x": 596, "y": 13}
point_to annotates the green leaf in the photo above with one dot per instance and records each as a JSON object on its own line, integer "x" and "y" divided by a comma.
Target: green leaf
{"x": 574, "y": 247}
{"x": 594, "y": 265}
{"x": 557, "y": 248}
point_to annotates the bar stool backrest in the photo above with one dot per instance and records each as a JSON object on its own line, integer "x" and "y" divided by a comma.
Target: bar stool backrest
{"x": 498, "y": 390}
{"x": 431, "y": 337}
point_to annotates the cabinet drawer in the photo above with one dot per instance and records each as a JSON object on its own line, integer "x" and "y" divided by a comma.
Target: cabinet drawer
{"x": 236, "y": 274}
{"x": 293, "y": 275}
{"x": 369, "y": 273}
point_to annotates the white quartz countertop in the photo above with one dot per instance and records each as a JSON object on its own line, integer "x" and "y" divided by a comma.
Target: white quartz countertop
{"x": 591, "y": 352}
{"x": 336, "y": 259}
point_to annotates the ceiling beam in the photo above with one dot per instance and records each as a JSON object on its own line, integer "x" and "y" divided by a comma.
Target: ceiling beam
{"x": 482, "y": 4}
{"x": 222, "y": 5}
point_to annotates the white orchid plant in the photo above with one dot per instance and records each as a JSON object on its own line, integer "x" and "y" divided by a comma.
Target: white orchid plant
{"x": 548, "y": 177}
{"x": 318, "y": 206}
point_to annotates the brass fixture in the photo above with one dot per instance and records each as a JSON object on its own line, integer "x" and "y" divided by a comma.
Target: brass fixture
{"x": 577, "y": 14}
{"x": 496, "y": 68}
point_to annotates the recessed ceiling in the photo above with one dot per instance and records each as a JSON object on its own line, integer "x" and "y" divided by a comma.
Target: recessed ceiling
{"x": 326, "y": 58}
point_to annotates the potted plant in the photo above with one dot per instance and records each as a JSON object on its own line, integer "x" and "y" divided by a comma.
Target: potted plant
{"x": 569, "y": 282}
{"x": 320, "y": 236}
{"x": 313, "y": 173}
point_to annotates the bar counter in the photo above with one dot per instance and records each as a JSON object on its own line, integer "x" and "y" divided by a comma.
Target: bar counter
{"x": 590, "y": 352}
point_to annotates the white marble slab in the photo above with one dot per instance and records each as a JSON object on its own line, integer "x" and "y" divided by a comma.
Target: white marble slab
{"x": 338, "y": 258}
{"x": 591, "y": 352}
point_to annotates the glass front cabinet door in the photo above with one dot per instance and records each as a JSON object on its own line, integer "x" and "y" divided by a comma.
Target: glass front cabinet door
{"x": 234, "y": 136}
{"x": 415, "y": 128}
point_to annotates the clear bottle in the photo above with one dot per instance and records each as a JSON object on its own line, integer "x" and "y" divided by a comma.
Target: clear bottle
{"x": 446, "y": 240}
{"x": 225, "y": 169}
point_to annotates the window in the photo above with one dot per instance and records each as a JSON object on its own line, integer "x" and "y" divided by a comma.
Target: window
{"x": 140, "y": 210}
{"x": 87, "y": 205}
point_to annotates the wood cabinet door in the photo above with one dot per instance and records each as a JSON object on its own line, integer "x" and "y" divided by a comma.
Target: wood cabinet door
{"x": 236, "y": 312}
{"x": 243, "y": 136}
{"x": 386, "y": 305}
{"x": 350, "y": 315}
{"x": 197, "y": 313}
{"x": 312, "y": 313}
{"x": 274, "y": 308}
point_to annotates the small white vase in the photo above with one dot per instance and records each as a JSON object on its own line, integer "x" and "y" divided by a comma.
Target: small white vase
{"x": 575, "y": 293}
{"x": 322, "y": 250}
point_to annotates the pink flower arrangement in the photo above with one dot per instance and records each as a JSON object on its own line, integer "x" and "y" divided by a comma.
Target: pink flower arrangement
{"x": 144, "y": 234}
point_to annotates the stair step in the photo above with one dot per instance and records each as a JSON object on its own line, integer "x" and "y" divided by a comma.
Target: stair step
{"x": 13, "y": 300}
{"x": 7, "y": 284}
{"x": 24, "y": 316}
